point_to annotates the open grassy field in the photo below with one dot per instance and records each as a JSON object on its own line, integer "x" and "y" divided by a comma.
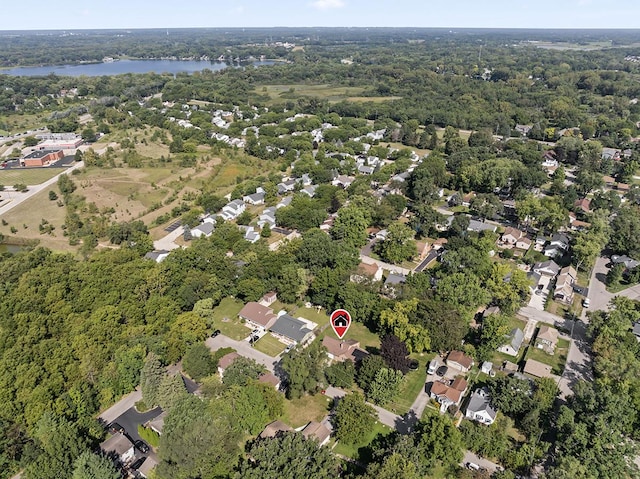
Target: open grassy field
{"x": 332, "y": 93}
{"x": 299, "y": 412}
{"x": 360, "y": 451}
{"x": 269, "y": 345}
{"x": 30, "y": 214}
{"x": 28, "y": 176}
{"x": 225, "y": 318}
{"x": 411, "y": 386}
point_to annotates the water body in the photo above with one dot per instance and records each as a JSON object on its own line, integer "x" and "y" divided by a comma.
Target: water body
{"x": 124, "y": 66}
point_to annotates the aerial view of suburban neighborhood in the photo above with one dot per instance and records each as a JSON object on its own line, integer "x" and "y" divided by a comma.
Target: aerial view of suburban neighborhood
{"x": 319, "y": 252}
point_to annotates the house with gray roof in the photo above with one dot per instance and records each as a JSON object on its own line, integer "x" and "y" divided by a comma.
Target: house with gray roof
{"x": 479, "y": 408}
{"x": 157, "y": 255}
{"x": 203, "y": 229}
{"x": 628, "y": 262}
{"x": 514, "y": 342}
{"x": 256, "y": 198}
{"x": 286, "y": 201}
{"x": 233, "y": 209}
{"x": 309, "y": 190}
{"x": 546, "y": 268}
{"x": 291, "y": 330}
{"x": 478, "y": 226}
{"x": 268, "y": 217}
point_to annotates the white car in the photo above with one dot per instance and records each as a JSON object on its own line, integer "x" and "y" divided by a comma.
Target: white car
{"x": 586, "y": 302}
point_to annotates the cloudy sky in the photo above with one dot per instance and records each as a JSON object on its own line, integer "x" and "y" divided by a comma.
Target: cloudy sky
{"x": 74, "y": 14}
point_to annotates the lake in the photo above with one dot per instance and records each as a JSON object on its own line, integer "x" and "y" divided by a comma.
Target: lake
{"x": 124, "y": 66}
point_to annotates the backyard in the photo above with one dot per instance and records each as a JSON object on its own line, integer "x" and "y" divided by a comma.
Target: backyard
{"x": 556, "y": 361}
{"x": 360, "y": 451}
{"x": 225, "y": 318}
{"x": 411, "y": 386}
{"x": 299, "y": 412}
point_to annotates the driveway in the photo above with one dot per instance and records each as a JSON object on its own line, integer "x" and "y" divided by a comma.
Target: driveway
{"x": 121, "y": 407}
{"x": 167, "y": 243}
{"x": 131, "y": 418}
{"x": 243, "y": 348}
{"x": 484, "y": 463}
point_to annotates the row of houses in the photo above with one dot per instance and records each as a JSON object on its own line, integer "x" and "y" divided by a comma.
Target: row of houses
{"x": 283, "y": 326}
{"x": 544, "y": 273}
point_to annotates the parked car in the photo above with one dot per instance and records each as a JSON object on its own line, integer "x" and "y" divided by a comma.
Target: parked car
{"x": 138, "y": 462}
{"x": 115, "y": 428}
{"x": 215, "y": 333}
{"x": 586, "y": 302}
{"x": 442, "y": 370}
{"x": 433, "y": 365}
{"x": 141, "y": 446}
{"x": 289, "y": 348}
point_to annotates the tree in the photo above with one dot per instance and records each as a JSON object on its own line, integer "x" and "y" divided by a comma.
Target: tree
{"x": 614, "y": 275}
{"x": 305, "y": 369}
{"x": 397, "y": 321}
{"x": 265, "y": 232}
{"x": 150, "y": 380}
{"x": 367, "y": 370}
{"x": 288, "y": 456}
{"x": 354, "y": 418}
{"x": 445, "y": 325}
{"x": 242, "y": 371}
{"x": 486, "y": 205}
{"x": 395, "y": 353}
{"x": 350, "y": 226}
{"x": 53, "y": 195}
{"x": 92, "y": 466}
{"x": 624, "y": 228}
{"x": 398, "y": 245}
{"x": 341, "y": 374}
{"x": 21, "y": 187}
{"x": 198, "y": 361}
{"x": 171, "y": 390}
{"x": 510, "y": 395}
{"x": 384, "y": 386}
{"x": 187, "y": 446}
{"x": 463, "y": 290}
{"x": 394, "y": 466}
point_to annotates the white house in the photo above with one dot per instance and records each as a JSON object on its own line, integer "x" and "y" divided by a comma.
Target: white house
{"x": 203, "y": 229}
{"x": 479, "y": 408}
{"x": 256, "y": 198}
{"x": 514, "y": 342}
{"x": 267, "y": 217}
{"x": 309, "y": 190}
{"x": 233, "y": 209}
{"x": 557, "y": 246}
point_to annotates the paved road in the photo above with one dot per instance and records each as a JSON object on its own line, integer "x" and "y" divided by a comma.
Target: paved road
{"x": 243, "y": 348}
{"x": 121, "y": 406}
{"x": 433, "y": 254}
{"x": 485, "y": 463}
{"x": 17, "y": 198}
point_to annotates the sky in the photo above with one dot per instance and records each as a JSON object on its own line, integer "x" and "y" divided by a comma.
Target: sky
{"x": 92, "y": 14}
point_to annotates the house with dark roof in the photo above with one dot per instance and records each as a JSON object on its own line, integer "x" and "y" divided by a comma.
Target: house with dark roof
{"x": 291, "y": 330}
{"x": 269, "y": 378}
{"x": 257, "y": 315}
{"x": 119, "y": 448}
{"x": 479, "y": 408}
{"x": 272, "y": 429}
{"x": 628, "y": 262}
{"x": 547, "y": 268}
{"x": 514, "y": 342}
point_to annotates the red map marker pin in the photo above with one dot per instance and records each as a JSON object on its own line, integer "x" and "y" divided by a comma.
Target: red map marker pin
{"x": 340, "y": 322}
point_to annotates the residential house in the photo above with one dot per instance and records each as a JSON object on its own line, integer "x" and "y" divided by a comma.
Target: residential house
{"x": 636, "y": 330}
{"x": 286, "y": 186}
{"x": 286, "y": 201}
{"x": 157, "y": 255}
{"x": 550, "y": 159}
{"x": 267, "y": 217}
{"x": 257, "y": 315}
{"x": 514, "y": 342}
{"x": 269, "y": 378}
{"x": 147, "y": 466}
{"x": 250, "y": 234}
{"x": 343, "y": 181}
{"x": 338, "y": 350}
{"x": 291, "y": 330}
{"x": 610, "y": 153}
{"x": 393, "y": 284}
{"x": 486, "y": 367}
{"x": 537, "y": 369}
{"x": 203, "y": 229}
{"x": 479, "y": 408}
{"x": 540, "y": 242}
{"x": 629, "y": 263}
{"x": 583, "y": 204}
{"x": 233, "y": 209}
{"x": 317, "y": 431}
{"x": 558, "y": 245}
{"x": 479, "y": 226}
{"x": 310, "y": 190}
{"x": 511, "y": 236}
{"x": 523, "y": 243}
{"x": 272, "y": 429}
{"x": 460, "y": 361}
{"x": 523, "y": 129}
{"x": 305, "y": 179}
{"x": 367, "y": 271}
{"x": 547, "y": 268}
{"x": 119, "y": 448}
{"x": 564, "y": 284}
{"x": 448, "y": 394}
{"x": 157, "y": 423}
{"x": 547, "y": 338}
{"x": 225, "y": 361}
{"x": 256, "y": 198}
{"x": 382, "y": 235}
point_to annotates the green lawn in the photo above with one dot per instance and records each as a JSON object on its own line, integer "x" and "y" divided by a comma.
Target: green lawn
{"x": 556, "y": 361}
{"x": 411, "y": 386}
{"x": 269, "y": 345}
{"x": 360, "y": 451}
{"x": 30, "y": 176}
{"x": 358, "y": 331}
{"x": 225, "y": 318}
{"x": 299, "y": 412}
